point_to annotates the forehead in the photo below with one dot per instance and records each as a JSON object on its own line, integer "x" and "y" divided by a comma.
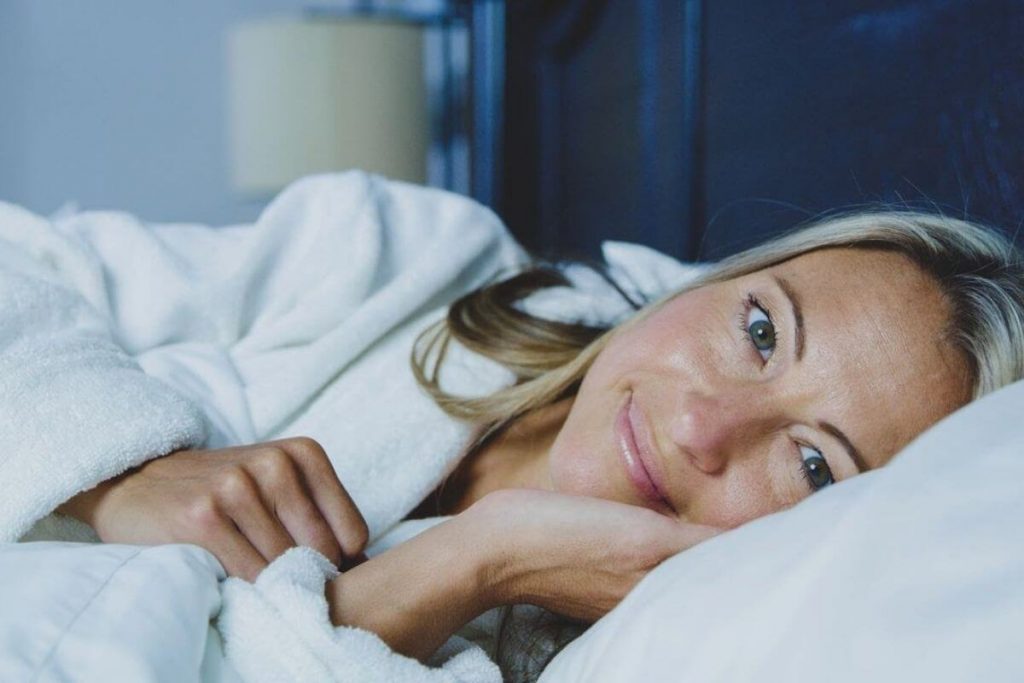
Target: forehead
{"x": 876, "y": 345}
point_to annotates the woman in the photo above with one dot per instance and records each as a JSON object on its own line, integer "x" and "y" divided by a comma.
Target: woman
{"x": 776, "y": 373}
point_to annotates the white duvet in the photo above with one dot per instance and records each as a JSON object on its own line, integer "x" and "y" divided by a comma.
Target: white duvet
{"x": 74, "y": 612}
{"x": 121, "y": 341}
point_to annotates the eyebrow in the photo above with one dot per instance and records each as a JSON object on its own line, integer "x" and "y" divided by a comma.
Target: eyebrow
{"x": 855, "y": 455}
{"x": 798, "y": 318}
{"x": 798, "y": 314}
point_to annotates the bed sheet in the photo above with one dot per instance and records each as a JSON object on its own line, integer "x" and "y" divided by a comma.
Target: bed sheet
{"x": 78, "y": 611}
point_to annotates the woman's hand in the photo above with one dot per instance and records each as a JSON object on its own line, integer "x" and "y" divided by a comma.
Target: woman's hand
{"x": 246, "y": 504}
{"x": 574, "y": 555}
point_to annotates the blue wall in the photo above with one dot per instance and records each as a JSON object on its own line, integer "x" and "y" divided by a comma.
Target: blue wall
{"x": 701, "y": 127}
{"x": 120, "y": 104}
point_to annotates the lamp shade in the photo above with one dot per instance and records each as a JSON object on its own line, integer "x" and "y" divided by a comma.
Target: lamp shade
{"x": 308, "y": 96}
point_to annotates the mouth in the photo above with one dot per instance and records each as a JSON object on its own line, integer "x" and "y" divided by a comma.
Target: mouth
{"x": 638, "y": 458}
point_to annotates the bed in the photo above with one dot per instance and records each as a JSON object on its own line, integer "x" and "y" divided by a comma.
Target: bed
{"x": 911, "y": 572}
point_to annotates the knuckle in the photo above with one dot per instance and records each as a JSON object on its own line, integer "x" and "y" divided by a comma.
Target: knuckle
{"x": 305, "y": 446}
{"x": 235, "y": 486}
{"x": 275, "y": 463}
{"x": 203, "y": 514}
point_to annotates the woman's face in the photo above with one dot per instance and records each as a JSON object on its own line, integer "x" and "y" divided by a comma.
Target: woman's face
{"x": 741, "y": 398}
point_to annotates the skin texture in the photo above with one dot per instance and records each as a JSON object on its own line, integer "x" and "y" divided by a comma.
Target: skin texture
{"x": 245, "y": 504}
{"x": 731, "y": 425}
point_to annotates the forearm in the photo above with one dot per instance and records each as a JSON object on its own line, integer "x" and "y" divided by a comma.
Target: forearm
{"x": 83, "y": 505}
{"x": 417, "y": 594}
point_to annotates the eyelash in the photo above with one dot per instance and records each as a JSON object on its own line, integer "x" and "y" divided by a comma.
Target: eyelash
{"x": 753, "y": 302}
{"x": 803, "y": 468}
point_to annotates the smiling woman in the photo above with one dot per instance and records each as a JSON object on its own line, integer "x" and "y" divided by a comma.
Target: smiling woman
{"x": 605, "y": 448}
{"x": 730, "y": 420}
{"x": 777, "y": 373}
{"x": 757, "y": 386}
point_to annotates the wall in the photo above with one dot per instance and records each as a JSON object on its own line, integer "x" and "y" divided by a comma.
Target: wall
{"x": 700, "y": 127}
{"x": 120, "y": 104}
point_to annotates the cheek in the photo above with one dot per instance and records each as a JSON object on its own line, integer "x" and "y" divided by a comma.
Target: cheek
{"x": 691, "y": 337}
{"x": 756, "y": 487}
{"x": 583, "y": 458}
{"x": 728, "y": 504}
{"x": 573, "y": 474}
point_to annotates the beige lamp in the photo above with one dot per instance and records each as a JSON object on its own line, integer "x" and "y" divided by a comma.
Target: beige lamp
{"x": 326, "y": 94}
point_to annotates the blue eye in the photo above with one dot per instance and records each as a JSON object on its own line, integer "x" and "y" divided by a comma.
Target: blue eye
{"x": 814, "y": 468}
{"x": 758, "y": 326}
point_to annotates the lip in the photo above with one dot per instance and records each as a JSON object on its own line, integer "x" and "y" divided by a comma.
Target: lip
{"x": 635, "y": 448}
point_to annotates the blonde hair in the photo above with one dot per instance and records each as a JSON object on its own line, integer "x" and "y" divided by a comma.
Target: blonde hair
{"x": 979, "y": 270}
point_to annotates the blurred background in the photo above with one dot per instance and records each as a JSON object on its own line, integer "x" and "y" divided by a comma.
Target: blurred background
{"x": 698, "y": 127}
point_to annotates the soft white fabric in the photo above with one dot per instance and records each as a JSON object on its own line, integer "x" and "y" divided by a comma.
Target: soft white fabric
{"x": 281, "y": 627}
{"x": 250, "y": 323}
{"x": 101, "y": 612}
{"x": 910, "y": 573}
{"x": 239, "y": 330}
{"x": 643, "y": 274}
{"x": 914, "y": 572}
{"x": 123, "y": 341}
{"x": 76, "y": 408}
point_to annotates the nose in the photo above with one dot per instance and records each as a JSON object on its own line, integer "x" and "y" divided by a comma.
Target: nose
{"x": 712, "y": 430}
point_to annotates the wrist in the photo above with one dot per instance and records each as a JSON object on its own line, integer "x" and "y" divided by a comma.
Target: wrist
{"x": 416, "y": 594}
{"x": 485, "y": 569}
{"x": 82, "y": 506}
{"x": 500, "y": 556}
{"x": 85, "y": 506}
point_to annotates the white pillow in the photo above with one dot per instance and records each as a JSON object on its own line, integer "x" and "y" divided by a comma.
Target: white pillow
{"x": 914, "y": 572}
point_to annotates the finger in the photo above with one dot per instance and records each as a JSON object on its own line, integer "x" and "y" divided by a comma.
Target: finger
{"x": 246, "y": 506}
{"x": 331, "y": 498}
{"x": 236, "y": 553}
{"x": 286, "y": 492}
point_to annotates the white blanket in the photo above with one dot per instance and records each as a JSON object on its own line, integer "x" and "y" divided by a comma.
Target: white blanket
{"x": 122, "y": 341}
{"x": 250, "y": 324}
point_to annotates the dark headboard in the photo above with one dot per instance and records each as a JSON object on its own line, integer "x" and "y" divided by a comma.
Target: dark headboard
{"x": 700, "y": 127}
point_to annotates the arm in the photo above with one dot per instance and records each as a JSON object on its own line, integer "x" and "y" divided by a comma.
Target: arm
{"x": 573, "y": 555}
{"x": 417, "y": 594}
